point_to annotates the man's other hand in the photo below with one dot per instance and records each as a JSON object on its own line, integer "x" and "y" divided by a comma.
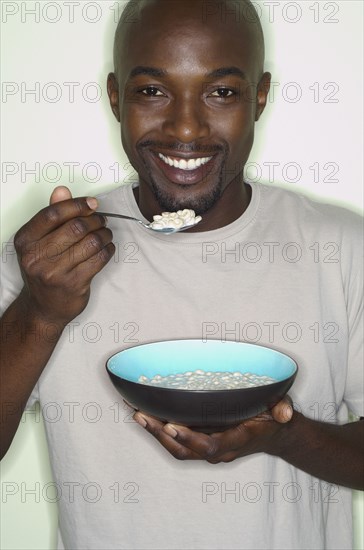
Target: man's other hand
{"x": 254, "y": 435}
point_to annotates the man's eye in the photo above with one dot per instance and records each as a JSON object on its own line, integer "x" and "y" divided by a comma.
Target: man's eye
{"x": 223, "y": 92}
{"x": 151, "y": 91}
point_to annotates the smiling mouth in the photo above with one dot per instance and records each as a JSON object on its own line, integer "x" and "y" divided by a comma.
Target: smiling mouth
{"x": 184, "y": 164}
{"x": 183, "y": 169}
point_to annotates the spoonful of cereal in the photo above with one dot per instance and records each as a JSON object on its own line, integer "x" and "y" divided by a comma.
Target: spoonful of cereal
{"x": 167, "y": 222}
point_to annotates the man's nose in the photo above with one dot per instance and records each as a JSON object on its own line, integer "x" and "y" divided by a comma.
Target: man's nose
{"x": 186, "y": 121}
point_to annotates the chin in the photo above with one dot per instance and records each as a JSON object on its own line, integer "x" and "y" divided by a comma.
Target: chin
{"x": 200, "y": 203}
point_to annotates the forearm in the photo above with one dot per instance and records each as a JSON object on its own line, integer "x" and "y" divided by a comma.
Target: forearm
{"x": 333, "y": 453}
{"x": 27, "y": 343}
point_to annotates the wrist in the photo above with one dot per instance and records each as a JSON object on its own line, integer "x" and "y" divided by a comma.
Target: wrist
{"x": 34, "y": 319}
{"x": 283, "y": 440}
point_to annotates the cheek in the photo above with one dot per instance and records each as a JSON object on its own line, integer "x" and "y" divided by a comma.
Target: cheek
{"x": 130, "y": 130}
{"x": 136, "y": 124}
{"x": 237, "y": 128}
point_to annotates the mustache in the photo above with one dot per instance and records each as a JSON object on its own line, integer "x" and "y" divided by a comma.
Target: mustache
{"x": 182, "y": 147}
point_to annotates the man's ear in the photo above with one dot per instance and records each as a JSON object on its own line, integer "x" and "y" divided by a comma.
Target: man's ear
{"x": 262, "y": 94}
{"x": 113, "y": 93}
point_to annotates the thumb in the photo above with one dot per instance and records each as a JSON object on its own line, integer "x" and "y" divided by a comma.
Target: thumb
{"x": 60, "y": 193}
{"x": 283, "y": 411}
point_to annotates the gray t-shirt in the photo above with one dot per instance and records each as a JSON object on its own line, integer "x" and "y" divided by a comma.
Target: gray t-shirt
{"x": 286, "y": 274}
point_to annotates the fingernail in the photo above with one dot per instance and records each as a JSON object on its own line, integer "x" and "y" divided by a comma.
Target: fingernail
{"x": 288, "y": 414}
{"x": 92, "y": 202}
{"x": 140, "y": 420}
{"x": 170, "y": 429}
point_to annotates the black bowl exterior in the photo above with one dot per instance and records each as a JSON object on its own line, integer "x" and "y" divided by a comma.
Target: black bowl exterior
{"x": 199, "y": 409}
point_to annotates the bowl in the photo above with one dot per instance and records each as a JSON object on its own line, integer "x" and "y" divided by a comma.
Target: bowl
{"x": 201, "y": 409}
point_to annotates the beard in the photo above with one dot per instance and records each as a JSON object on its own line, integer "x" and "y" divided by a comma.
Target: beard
{"x": 200, "y": 203}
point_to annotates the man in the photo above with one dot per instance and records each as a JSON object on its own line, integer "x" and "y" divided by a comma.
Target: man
{"x": 182, "y": 90}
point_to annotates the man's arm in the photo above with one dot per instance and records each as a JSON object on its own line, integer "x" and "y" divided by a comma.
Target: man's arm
{"x": 59, "y": 251}
{"x": 333, "y": 453}
{"x": 27, "y": 343}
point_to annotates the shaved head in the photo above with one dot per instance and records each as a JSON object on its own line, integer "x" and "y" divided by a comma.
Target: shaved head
{"x": 218, "y": 13}
{"x": 188, "y": 88}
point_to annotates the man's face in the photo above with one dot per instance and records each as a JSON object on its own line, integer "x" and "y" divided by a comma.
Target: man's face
{"x": 187, "y": 101}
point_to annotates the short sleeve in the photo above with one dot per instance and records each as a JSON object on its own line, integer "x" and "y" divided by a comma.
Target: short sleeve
{"x": 354, "y": 390}
{"x": 10, "y": 276}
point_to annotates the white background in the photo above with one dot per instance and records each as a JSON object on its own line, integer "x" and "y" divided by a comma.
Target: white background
{"x": 311, "y": 129}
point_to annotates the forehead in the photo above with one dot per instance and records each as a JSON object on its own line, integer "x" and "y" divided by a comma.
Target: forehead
{"x": 187, "y": 35}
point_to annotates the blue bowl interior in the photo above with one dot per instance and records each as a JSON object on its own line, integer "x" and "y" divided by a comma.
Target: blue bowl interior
{"x": 178, "y": 356}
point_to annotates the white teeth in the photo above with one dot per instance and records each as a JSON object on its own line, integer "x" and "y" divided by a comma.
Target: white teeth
{"x": 183, "y": 164}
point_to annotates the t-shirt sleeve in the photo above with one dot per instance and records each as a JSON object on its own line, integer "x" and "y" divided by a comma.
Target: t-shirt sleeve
{"x": 11, "y": 283}
{"x": 354, "y": 390}
{"x": 11, "y": 280}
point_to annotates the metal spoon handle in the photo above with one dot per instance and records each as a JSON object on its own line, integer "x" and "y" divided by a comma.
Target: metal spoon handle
{"x": 117, "y": 216}
{"x": 164, "y": 230}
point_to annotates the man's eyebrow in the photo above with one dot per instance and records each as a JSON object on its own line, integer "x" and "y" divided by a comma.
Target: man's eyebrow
{"x": 225, "y": 71}
{"x": 150, "y": 71}
{"x": 160, "y": 73}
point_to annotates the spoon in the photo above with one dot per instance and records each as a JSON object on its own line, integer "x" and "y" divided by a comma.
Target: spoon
{"x": 166, "y": 230}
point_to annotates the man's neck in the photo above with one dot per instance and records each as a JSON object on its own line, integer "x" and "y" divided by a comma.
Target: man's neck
{"x": 230, "y": 206}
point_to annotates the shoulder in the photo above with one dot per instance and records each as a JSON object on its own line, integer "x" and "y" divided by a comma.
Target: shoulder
{"x": 330, "y": 227}
{"x": 318, "y": 214}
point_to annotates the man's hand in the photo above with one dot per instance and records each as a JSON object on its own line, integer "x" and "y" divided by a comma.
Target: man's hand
{"x": 321, "y": 449}
{"x": 251, "y": 436}
{"x": 59, "y": 251}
